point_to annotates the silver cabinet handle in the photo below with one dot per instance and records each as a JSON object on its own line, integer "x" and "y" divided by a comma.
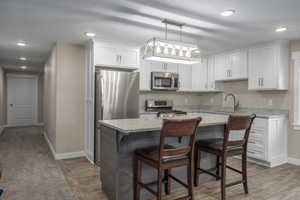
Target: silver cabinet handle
{"x": 120, "y": 60}
{"x": 262, "y": 81}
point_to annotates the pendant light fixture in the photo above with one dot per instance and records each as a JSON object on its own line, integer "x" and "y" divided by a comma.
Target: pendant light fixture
{"x": 171, "y": 51}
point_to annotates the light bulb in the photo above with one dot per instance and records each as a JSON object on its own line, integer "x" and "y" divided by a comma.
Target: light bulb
{"x": 166, "y": 50}
{"x": 158, "y": 50}
{"x": 173, "y": 52}
{"x": 180, "y": 52}
{"x": 188, "y": 54}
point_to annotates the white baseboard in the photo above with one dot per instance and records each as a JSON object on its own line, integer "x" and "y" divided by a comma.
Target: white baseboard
{"x": 294, "y": 161}
{"x": 49, "y": 144}
{"x": 61, "y": 156}
{"x": 1, "y": 129}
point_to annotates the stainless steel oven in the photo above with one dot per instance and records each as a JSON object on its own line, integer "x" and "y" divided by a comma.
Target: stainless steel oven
{"x": 164, "y": 81}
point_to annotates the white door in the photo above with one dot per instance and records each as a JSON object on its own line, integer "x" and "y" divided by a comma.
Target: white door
{"x": 21, "y": 100}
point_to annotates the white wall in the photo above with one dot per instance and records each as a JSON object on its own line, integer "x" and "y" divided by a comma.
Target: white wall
{"x": 64, "y": 98}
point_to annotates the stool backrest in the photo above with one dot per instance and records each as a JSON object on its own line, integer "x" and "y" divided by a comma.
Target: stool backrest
{"x": 178, "y": 128}
{"x": 241, "y": 123}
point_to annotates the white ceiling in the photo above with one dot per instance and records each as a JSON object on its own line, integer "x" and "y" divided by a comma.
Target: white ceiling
{"x": 42, "y": 22}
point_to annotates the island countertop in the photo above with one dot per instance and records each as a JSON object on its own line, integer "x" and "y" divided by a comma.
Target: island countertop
{"x": 128, "y": 126}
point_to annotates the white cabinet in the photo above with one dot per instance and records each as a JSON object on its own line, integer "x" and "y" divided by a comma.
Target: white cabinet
{"x": 268, "y": 66}
{"x": 145, "y": 75}
{"x": 163, "y": 67}
{"x": 185, "y": 77}
{"x": 231, "y": 66}
{"x": 112, "y": 56}
{"x": 267, "y": 142}
{"x": 212, "y": 84}
{"x": 239, "y": 65}
{"x": 199, "y": 76}
{"x": 222, "y": 66}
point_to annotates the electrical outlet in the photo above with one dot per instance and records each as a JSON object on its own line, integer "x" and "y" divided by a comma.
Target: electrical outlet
{"x": 270, "y": 102}
{"x": 186, "y": 101}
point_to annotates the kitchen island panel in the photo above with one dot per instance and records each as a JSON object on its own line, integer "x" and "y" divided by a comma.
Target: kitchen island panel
{"x": 117, "y": 153}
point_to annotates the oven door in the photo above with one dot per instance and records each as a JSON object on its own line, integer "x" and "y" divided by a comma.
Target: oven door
{"x": 162, "y": 81}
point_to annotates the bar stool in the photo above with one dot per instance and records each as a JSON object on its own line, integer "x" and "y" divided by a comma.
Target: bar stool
{"x": 226, "y": 147}
{"x": 165, "y": 157}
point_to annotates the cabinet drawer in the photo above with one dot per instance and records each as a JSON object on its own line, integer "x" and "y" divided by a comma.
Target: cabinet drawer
{"x": 259, "y": 124}
{"x": 255, "y": 154}
{"x": 256, "y": 139}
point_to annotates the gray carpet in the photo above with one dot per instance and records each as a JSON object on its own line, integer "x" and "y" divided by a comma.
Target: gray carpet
{"x": 29, "y": 170}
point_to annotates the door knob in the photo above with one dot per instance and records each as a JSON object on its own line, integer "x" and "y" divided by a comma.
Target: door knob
{"x": 11, "y": 105}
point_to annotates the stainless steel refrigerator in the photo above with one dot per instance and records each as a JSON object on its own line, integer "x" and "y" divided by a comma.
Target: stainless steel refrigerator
{"x": 116, "y": 97}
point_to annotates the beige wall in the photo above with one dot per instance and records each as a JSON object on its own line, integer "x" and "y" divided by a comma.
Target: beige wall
{"x": 50, "y": 97}
{"x": 64, "y": 98}
{"x": 2, "y": 101}
{"x": 271, "y": 99}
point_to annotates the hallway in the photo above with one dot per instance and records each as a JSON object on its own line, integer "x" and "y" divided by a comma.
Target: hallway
{"x": 29, "y": 170}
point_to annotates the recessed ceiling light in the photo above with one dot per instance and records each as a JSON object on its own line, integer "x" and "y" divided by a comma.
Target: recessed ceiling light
{"x": 227, "y": 13}
{"x": 21, "y": 44}
{"x": 90, "y": 34}
{"x": 281, "y": 29}
{"x": 23, "y": 67}
{"x": 23, "y": 58}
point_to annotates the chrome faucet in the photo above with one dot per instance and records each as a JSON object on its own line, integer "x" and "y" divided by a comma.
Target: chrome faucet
{"x": 235, "y": 101}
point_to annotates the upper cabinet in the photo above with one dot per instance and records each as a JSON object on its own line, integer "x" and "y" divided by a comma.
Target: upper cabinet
{"x": 268, "y": 66}
{"x": 185, "y": 77}
{"x": 145, "y": 75}
{"x": 231, "y": 66}
{"x": 113, "y": 56}
{"x": 163, "y": 67}
{"x": 203, "y": 76}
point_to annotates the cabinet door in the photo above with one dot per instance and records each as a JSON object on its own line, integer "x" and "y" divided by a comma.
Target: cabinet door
{"x": 129, "y": 58}
{"x": 211, "y": 73}
{"x": 106, "y": 56}
{"x": 255, "y": 61}
{"x": 269, "y": 69}
{"x": 238, "y": 68}
{"x": 185, "y": 80}
{"x": 145, "y": 75}
{"x": 222, "y": 65}
{"x": 157, "y": 66}
{"x": 262, "y": 68}
{"x": 199, "y": 76}
{"x": 171, "y": 67}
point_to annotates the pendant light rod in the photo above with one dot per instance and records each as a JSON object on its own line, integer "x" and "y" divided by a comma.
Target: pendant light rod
{"x": 171, "y": 22}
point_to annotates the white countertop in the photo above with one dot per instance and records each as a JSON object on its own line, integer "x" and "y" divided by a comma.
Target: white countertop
{"x": 144, "y": 125}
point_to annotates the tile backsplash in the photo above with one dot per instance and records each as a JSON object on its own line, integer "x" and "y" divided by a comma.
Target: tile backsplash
{"x": 247, "y": 98}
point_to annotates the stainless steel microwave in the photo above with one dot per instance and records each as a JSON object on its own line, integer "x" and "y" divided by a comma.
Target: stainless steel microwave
{"x": 164, "y": 81}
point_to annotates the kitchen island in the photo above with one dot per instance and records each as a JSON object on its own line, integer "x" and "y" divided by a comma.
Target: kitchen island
{"x": 120, "y": 139}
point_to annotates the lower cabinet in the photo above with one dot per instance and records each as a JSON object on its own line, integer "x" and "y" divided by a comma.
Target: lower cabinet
{"x": 267, "y": 143}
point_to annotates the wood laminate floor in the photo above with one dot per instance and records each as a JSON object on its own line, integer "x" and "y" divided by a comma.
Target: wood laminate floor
{"x": 279, "y": 183}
